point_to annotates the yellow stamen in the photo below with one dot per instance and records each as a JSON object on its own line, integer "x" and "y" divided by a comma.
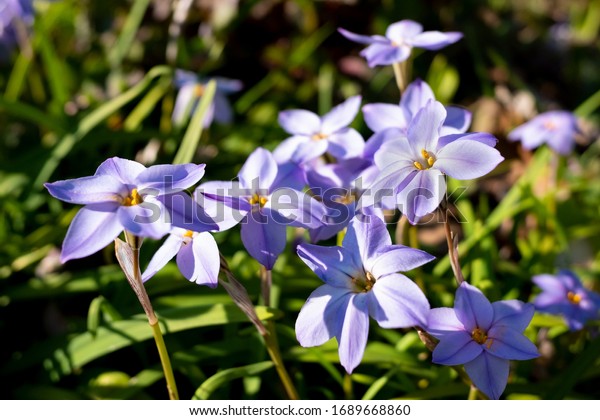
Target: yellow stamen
{"x": 479, "y": 336}
{"x": 418, "y": 165}
{"x": 188, "y": 234}
{"x": 425, "y": 154}
{"x": 574, "y": 298}
{"x": 364, "y": 284}
{"x": 318, "y": 136}
{"x": 258, "y": 199}
{"x": 489, "y": 343}
{"x": 199, "y": 90}
{"x": 133, "y": 199}
{"x": 430, "y": 161}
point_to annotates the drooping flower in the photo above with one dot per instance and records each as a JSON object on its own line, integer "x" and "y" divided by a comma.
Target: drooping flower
{"x": 361, "y": 280}
{"x": 312, "y": 135}
{"x": 121, "y": 195}
{"x": 483, "y": 336}
{"x": 555, "y": 128}
{"x": 263, "y": 207}
{"x": 413, "y": 167}
{"x": 563, "y": 294}
{"x": 191, "y": 88}
{"x": 399, "y": 39}
{"x": 13, "y": 12}
{"x": 197, "y": 256}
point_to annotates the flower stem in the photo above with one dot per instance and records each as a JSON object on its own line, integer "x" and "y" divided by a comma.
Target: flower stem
{"x": 473, "y": 392}
{"x": 402, "y": 74}
{"x": 453, "y": 252}
{"x": 128, "y": 256}
{"x": 266, "y": 280}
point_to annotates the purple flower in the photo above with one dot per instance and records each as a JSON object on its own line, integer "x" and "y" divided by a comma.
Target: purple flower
{"x": 413, "y": 167}
{"x": 263, "y": 208}
{"x": 483, "y": 336}
{"x": 361, "y": 280}
{"x": 191, "y": 89}
{"x": 382, "y": 117}
{"x": 399, "y": 39}
{"x": 121, "y": 195}
{"x": 564, "y": 294}
{"x": 10, "y": 12}
{"x": 312, "y": 135}
{"x": 555, "y": 128}
{"x": 197, "y": 256}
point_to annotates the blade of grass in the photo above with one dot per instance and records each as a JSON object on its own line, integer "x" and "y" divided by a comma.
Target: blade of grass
{"x": 211, "y": 384}
{"x": 123, "y": 44}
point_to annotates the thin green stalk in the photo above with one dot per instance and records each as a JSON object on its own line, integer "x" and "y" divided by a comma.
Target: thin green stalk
{"x": 164, "y": 359}
{"x": 453, "y": 251}
{"x": 402, "y": 74}
{"x": 473, "y": 392}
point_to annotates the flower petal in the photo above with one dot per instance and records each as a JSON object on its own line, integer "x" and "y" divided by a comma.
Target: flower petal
{"x": 124, "y": 170}
{"x": 388, "y": 183}
{"x": 366, "y": 240}
{"x": 263, "y": 237}
{"x": 333, "y": 264}
{"x": 378, "y": 117}
{"x": 90, "y": 231}
{"x": 149, "y": 219}
{"x": 345, "y": 144}
{"x": 167, "y": 179}
{"x": 456, "y": 348}
{"x": 484, "y": 138}
{"x": 300, "y": 121}
{"x": 472, "y": 308}
{"x": 341, "y": 115}
{"x": 512, "y": 313}
{"x": 352, "y": 339}
{"x": 385, "y": 54}
{"x": 221, "y": 202}
{"x": 424, "y": 129}
{"x": 296, "y": 208}
{"x": 396, "y": 258}
{"x": 467, "y": 159}
{"x": 184, "y": 103}
{"x": 322, "y": 316}
{"x": 395, "y": 301}
{"x": 399, "y": 31}
{"x": 441, "y": 321}
{"x": 89, "y": 190}
{"x": 458, "y": 120}
{"x": 422, "y": 195}
{"x": 207, "y": 260}
{"x": 508, "y": 343}
{"x": 417, "y": 95}
{"x": 185, "y": 213}
{"x": 259, "y": 171}
{"x": 489, "y": 373}
{"x": 363, "y": 39}
{"x": 163, "y": 255}
{"x": 434, "y": 40}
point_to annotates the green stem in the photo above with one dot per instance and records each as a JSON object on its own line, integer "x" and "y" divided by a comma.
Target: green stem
{"x": 266, "y": 281}
{"x": 453, "y": 251}
{"x": 473, "y": 393}
{"x": 164, "y": 360}
{"x": 273, "y": 350}
{"x": 402, "y": 74}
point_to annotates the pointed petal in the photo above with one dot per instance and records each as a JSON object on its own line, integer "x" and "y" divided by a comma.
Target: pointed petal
{"x": 395, "y": 151}
{"x": 366, "y": 240}
{"x": 167, "y": 179}
{"x": 458, "y": 120}
{"x": 263, "y": 237}
{"x": 512, "y": 313}
{"x": 417, "y": 95}
{"x": 472, "y": 308}
{"x": 341, "y": 115}
{"x": 399, "y": 31}
{"x": 163, "y": 255}
{"x": 396, "y": 258}
{"x": 466, "y": 159}
{"x": 424, "y": 129}
{"x": 149, "y": 219}
{"x": 489, "y": 373}
{"x": 310, "y": 150}
{"x": 89, "y": 190}
{"x": 322, "y": 316}
{"x": 285, "y": 151}
{"x": 434, "y": 40}
{"x": 124, "y": 170}
{"x": 456, "y": 348}
{"x": 296, "y": 208}
{"x": 422, "y": 195}
{"x": 363, "y": 39}
{"x": 223, "y": 111}
{"x": 259, "y": 171}
{"x": 484, "y": 138}
{"x": 228, "y": 86}
{"x": 352, "y": 339}
{"x": 185, "y": 213}
{"x": 385, "y": 54}
{"x": 378, "y": 117}
{"x": 207, "y": 260}
{"x": 90, "y": 231}
{"x": 333, "y": 264}
{"x": 397, "y": 302}
{"x": 507, "y": 343}
{"x": 441, "y": 321}
{"x": 390, "y": 180}
{"x": 183, "y": 104}
{"x": 345, "y": 144}
{"x": 299, "y": 121}
{"x": 221, "y": 202}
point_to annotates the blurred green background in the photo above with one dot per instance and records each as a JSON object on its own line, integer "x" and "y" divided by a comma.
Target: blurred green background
{"x": 88, "y": 80}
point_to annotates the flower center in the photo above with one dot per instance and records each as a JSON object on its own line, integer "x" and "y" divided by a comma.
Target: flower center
{"x": 427, "y": 162}
{"x": 549, "y": 125}
{"x": 574, "y": 298}
{"x": 349, "y": 198}
{"x": 199, "y": 90}
{"x": 261, "y": 200}
{"x": 318, "y": 136}
{"x": 133, "y": 199}
{"x": 364, "y": 284}
{"x": 480, "y": 337}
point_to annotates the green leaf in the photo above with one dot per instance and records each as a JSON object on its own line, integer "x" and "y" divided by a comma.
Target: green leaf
{"x": 211, "y": 384}
{"x": 123, "y": 44}
{"x": 190, "y": 141}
